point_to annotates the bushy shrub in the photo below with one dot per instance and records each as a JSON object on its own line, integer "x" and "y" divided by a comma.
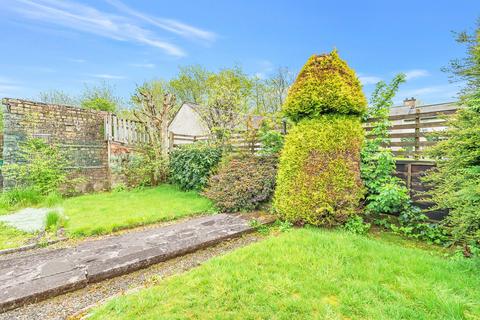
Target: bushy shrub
{"x": 356, "y": 225}
{"x": 41, "y": 166}
{"x": 143, "y": 168}
{"x": 271, "y": 140}
{"x": 192, "y": 164}
{"x": 319, "y": 180}
{"x": 325, "y": 85}
{"x": 456, "y": 182}
{"x": 243, "y": 182}
{"x": 392, "y": 197}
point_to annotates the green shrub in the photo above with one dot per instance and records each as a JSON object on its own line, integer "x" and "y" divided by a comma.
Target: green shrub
{"x": 272, "y": 142}
{"x": 319, "y": 180}
{"x": 41, "y": 166}
{"x": 356, "y": 225}
{"x": 456, "y": 182}
{"x": 392, "y": 197}
{"x": 243, "y": 182}
{"x": 325, "y": 85}
{"x": 192, "y": 164}
{"x": 143, "y": 168}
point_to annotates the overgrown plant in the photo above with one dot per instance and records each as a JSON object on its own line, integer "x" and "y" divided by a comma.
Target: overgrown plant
{"x": 456, "y": 182}
{"x": 243, "y": 182}
{"x": 191, "y": 164}
{"x": 319, "y": 176}
{"x": 387, "y": 194}
{"x": 41, "y": 167}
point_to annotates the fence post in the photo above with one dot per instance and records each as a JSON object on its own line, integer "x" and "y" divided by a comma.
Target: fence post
{"x": 417, "y": 134}
{"x": 284, "y": 126}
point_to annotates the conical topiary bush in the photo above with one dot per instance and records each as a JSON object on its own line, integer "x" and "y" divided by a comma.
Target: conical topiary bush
{"x": 319, "y": 171}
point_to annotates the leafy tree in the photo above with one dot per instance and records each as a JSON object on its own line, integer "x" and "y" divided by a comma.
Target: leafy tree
{"x": 58, "y": 97}
{"x": 456, "y": 183}
{"x": 190, "y": 85}
{"x": 100, "y": 97}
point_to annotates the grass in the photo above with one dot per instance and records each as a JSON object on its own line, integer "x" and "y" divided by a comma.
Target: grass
{"x": 313, "y": 274}
{"x": 12, "y": 238}
{"x": 104, "y": 213}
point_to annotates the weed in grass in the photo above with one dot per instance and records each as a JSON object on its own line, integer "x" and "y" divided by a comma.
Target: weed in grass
{"x": 20, "y": 197}
{"x": 54, "y": 220}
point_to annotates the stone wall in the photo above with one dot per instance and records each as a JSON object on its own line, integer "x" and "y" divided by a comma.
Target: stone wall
{"x": 80, "y": 132}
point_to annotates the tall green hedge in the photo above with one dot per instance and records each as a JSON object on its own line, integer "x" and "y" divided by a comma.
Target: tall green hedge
{"x": 318, "y": 180}
{"x": 325, "y": 85}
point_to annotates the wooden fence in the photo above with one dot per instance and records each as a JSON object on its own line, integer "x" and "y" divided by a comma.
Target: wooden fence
{"x": 236, "y": 140}
{"x": 124, "y": 130}
{"x": 411, "y": 133}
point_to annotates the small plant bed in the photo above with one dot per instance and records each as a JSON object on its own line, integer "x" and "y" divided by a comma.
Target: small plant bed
{"x": 313, "y": 274}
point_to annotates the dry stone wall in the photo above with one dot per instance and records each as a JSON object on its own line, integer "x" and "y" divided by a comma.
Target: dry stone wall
{"x": 79, "y": 131}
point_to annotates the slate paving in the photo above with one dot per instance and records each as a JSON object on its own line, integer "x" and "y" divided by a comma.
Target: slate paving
{"x": 33, "y": 277}
{"x": 28, "y": 220}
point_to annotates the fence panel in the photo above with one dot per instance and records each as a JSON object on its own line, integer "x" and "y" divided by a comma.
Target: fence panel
{"x": 124, "y": 130}
{"x": 411, "y": 133}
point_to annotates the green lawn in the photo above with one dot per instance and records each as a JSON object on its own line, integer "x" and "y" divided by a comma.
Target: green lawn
{"x": 103, "y": 213}
{"x": 12, "y": 238}
{"x": 313, "y": 274}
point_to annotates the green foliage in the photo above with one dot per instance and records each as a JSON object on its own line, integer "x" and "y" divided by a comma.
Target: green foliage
{"x": 387, "y": 194}
{"x": 356, "y": 225}
{"x": 243, "y": 182}
{"x": 392, "y": 197}
{"x": 456, "y": 182}
{"x": 20, "y": 197}
{"x": 41, "y": 166}
{"x": 318, "y": 180}
{"x": 325, "y": 85}
{"x": 144, "y": 168}
{"x": 54, "y": 220}
{"x": 192, "y": 164}
{"x": 271, "y": 140}
{"x": 265, "y": 229}
{"x": 99, "y": 97}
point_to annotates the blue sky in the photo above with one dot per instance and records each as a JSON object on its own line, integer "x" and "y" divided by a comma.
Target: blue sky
{"x": 54, "y": 44}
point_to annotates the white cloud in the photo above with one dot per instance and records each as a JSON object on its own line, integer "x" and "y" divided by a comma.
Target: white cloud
{"x": 143, "y": 65}
{"x": 108, "y": 76}
{"x": 366, "y": 80}
{"x": 171, "y": 25}
{"x": 77, "y": 60}
{"x": 416, "y": 73}
{"x": 88, "y": 19}
{"x": 430, "y": 94}
{"x": 8, "y": 87}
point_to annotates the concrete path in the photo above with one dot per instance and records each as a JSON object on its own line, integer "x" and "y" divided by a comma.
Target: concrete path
{"x": 40, "y": 275}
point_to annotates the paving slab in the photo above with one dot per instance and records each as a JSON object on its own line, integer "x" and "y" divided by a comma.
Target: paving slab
{"x": 40, "y": 275}
{"x": 28, "y": 220}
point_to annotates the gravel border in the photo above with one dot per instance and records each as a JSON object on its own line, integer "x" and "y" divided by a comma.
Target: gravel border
{"x": 74, "y": 304}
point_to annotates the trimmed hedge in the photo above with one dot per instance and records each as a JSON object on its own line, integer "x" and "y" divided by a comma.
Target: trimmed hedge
{"x": 191, "y": 165}
{"x": 325, "y": 85}
{"x": 243, "y": 182}
{"x": 319, "y": 175}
